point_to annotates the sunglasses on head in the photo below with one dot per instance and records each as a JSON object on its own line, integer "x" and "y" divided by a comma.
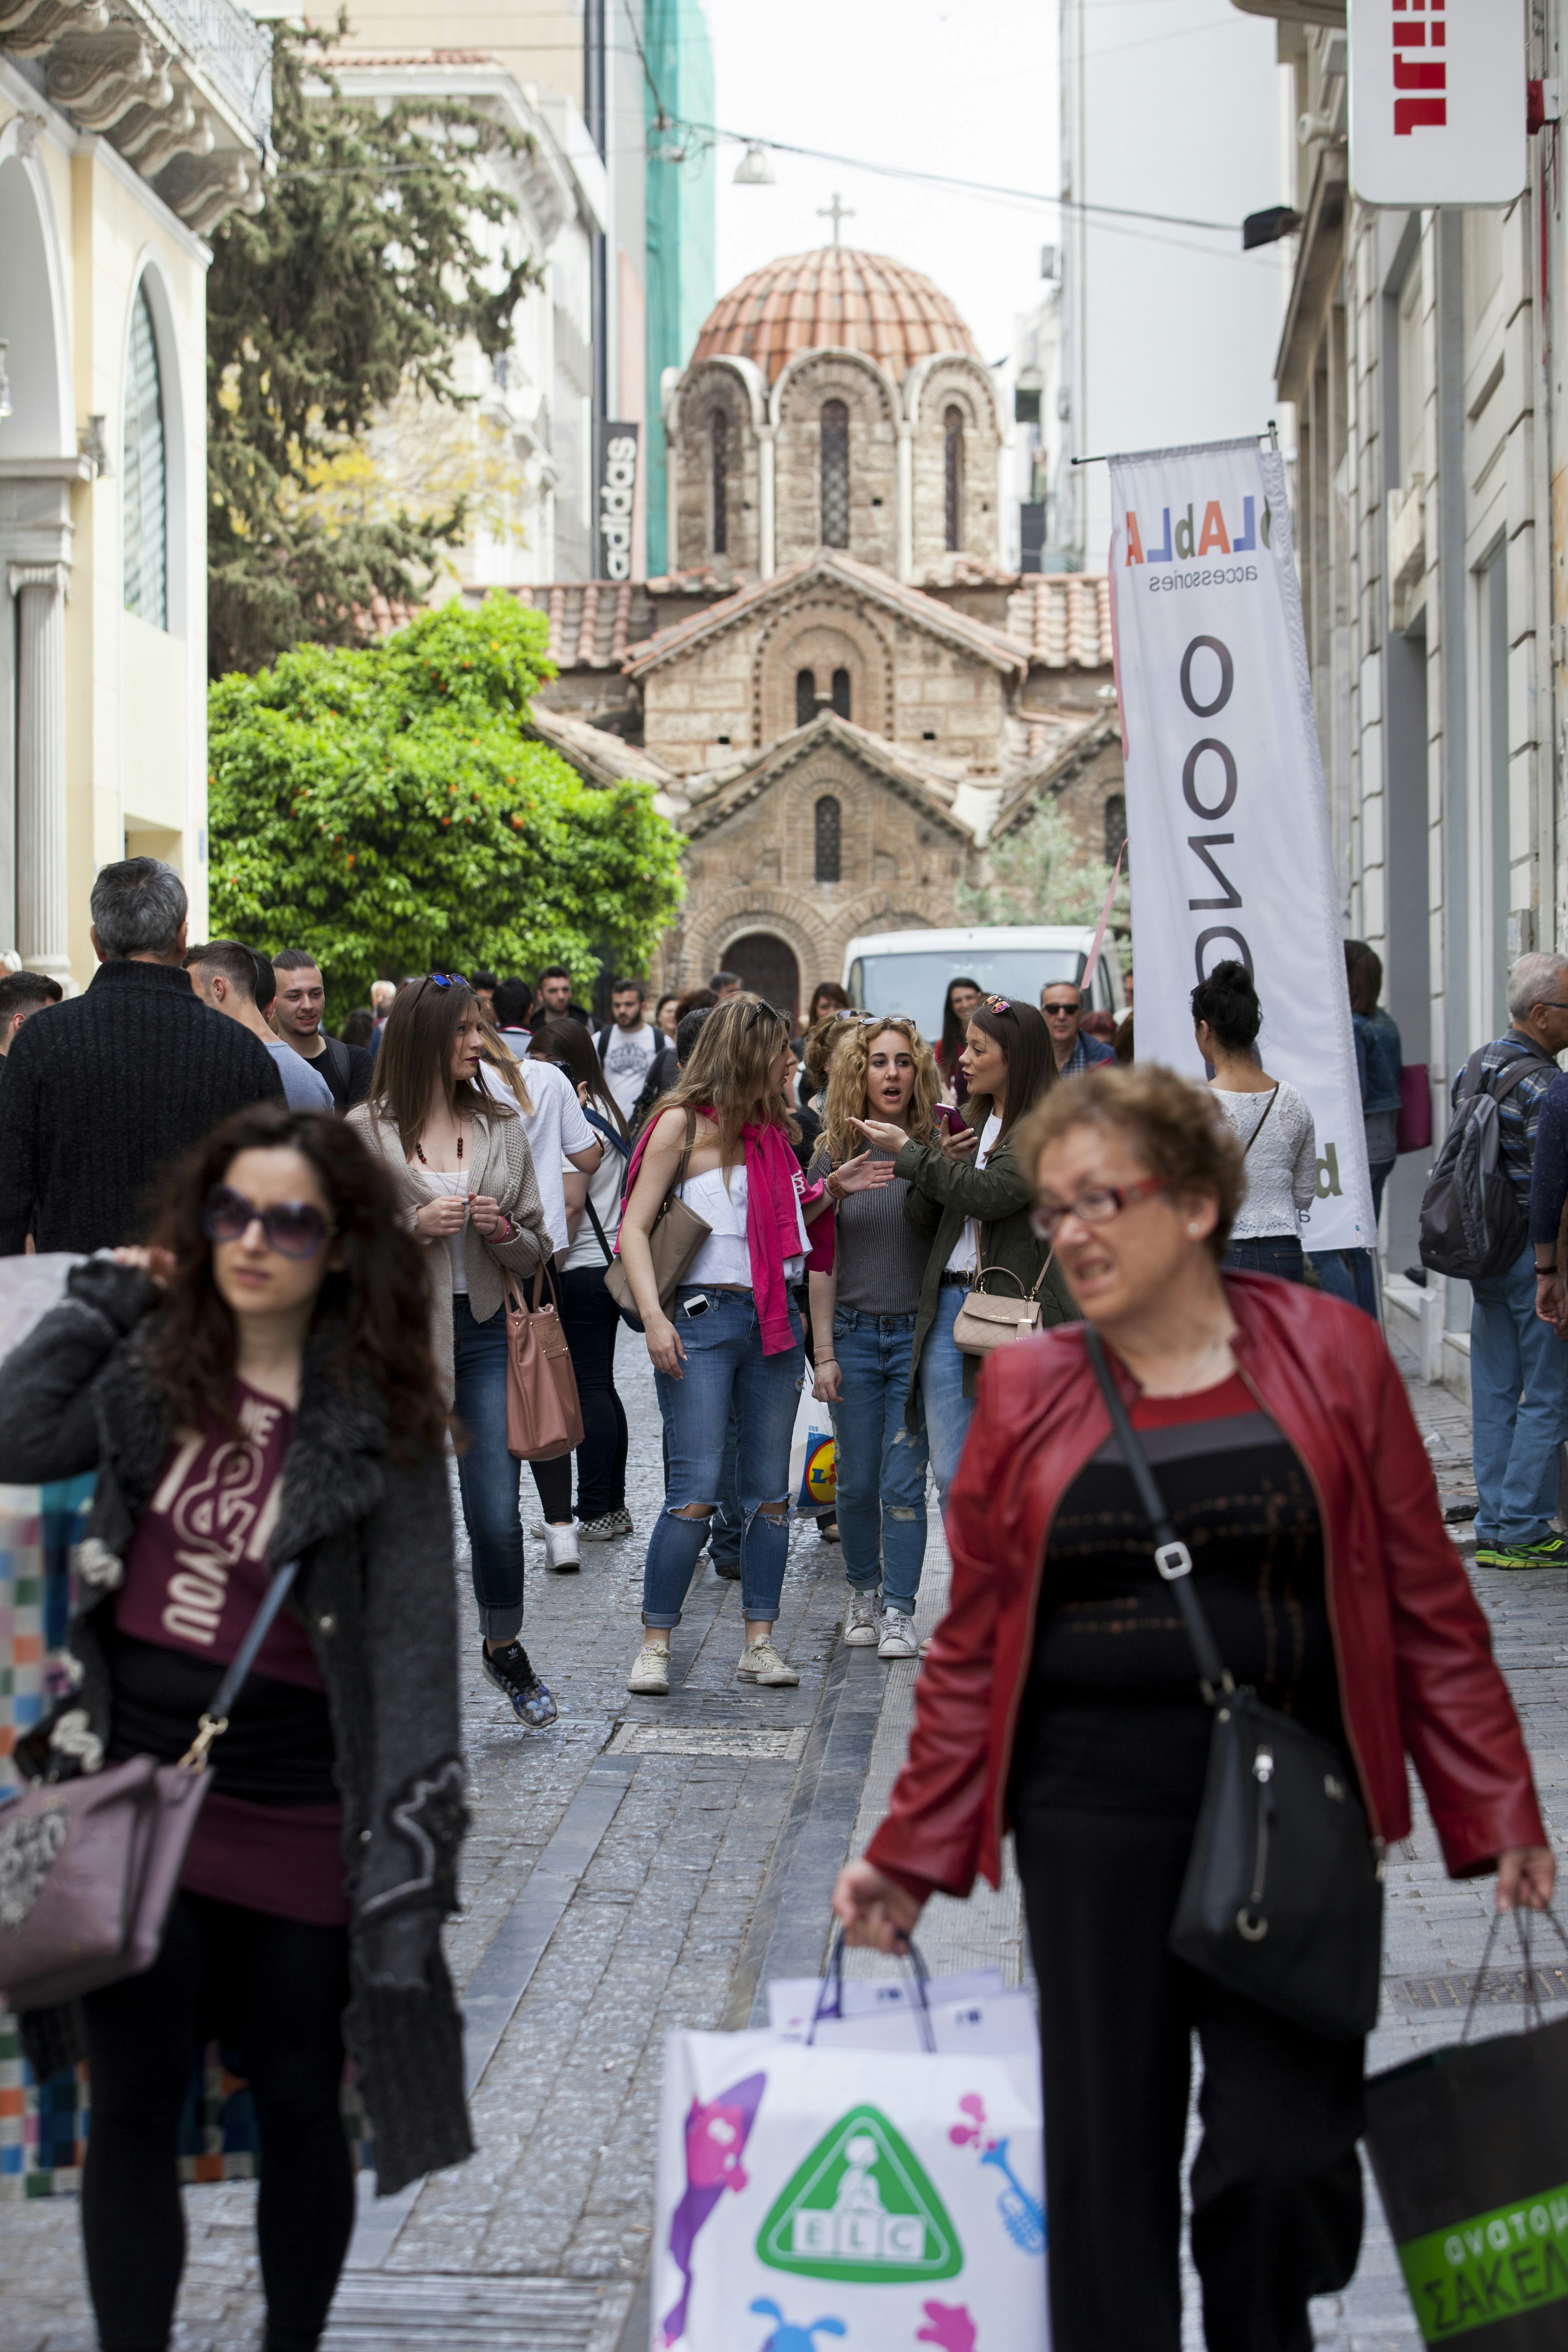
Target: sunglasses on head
{"x": 997, "y": 1004}
{"x": 446, "y": 979}
{"x": 293, "y": 1228}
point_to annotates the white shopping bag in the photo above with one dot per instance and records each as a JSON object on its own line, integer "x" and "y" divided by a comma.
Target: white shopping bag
{"x": 31, "y": 1286}
{"x": 813, "y": 1459}
{"x": 993, "y": 2025}
{"x": 887, "y": 2200}
{"x": 793, "y": 2001}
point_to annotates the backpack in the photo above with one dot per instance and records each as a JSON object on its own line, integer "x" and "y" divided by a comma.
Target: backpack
{"x": 1472, "y": 1222}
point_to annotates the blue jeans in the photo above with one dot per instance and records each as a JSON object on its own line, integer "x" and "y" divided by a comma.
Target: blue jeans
{"x": 1347, "y": 1274}
{"x": 948, "y": 1412}
{"x": 1519, "y": 1406}
{"x": 724, "y": 1365}
{"x": 881, "y": 1468}
{"x": 1278, "y": 1254}
{"x": 486, "y": 1473}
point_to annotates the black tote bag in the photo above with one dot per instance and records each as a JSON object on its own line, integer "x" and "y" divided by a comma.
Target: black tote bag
{"x": 1469, "y": 2145}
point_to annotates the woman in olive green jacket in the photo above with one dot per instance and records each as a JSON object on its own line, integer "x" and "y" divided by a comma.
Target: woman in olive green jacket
{"x": 974, "y": 1200}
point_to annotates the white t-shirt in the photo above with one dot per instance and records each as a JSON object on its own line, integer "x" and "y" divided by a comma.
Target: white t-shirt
{"x": 966, "y": 1249}
{"x": 555, "y": 1127}
{"x": 438, "y": 1182}
{"x": 605, "y": 1192}
{"x": 627, "y": 1056}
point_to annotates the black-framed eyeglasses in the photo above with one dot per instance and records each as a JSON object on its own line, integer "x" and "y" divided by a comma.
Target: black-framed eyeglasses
{"x": 293, "y": 1228}
{"x": 1095, "y": 1205}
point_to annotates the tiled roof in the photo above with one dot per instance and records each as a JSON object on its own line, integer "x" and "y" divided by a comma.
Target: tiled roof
{"x": 1064, "y": 618}
{"x": 836, "y": 298}
{"x": 594, "y": 624}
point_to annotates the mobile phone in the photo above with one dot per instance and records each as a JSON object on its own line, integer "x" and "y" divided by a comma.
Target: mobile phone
{"x": 952, "y": 1118}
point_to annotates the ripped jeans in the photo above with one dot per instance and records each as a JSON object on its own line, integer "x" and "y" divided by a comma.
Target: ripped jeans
{"x": 881, "y": 1464}
{"x": 724, "y": 1365}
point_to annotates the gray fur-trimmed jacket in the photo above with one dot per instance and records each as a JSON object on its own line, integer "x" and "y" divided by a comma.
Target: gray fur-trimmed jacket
{"x": 376, "y": 1593}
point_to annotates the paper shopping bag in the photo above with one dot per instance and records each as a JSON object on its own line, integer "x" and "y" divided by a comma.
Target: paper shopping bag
{"x": 1469, "y": 2145}
{"x": 794, "y": 2002}
{"x": 884, "y": 2199}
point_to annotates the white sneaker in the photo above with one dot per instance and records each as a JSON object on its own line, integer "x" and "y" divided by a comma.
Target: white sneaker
{"x": 861, "y": 1624}
{"x": 650, "y": 1676}
{"x": 760, "y": 1662}
{"x": 897, "y": 1635}
{"x": 561, "y": 1548}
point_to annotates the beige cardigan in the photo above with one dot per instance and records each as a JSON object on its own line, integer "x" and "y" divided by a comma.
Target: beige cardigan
{"x": 503, "y": 1168}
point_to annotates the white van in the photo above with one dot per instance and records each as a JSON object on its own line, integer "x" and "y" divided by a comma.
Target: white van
{"x": 909, "y": 971}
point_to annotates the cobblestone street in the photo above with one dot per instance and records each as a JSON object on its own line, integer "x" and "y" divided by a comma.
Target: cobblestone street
{"x": 650, "y": 1864}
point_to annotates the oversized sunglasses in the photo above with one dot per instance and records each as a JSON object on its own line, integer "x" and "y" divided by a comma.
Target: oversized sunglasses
{"x": 293, "y": 1228}
{"x": 1096, "y": 1205}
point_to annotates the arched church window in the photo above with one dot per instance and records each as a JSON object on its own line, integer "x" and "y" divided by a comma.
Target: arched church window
{"x": 835, "y": 474}
{"x": 145, "y": 491}
{"x": 1115, "y": 827}
{"x": 830, "y": 839}
{"x": 804, "y": 697}
{"x": 952, "y": 475}
{"x": 841, "y": 693}
{"x": 718, "y": 430}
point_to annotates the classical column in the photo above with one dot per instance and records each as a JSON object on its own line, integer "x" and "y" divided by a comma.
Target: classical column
{"x": 42, "y": 908}
{"x": 767, "y": 452}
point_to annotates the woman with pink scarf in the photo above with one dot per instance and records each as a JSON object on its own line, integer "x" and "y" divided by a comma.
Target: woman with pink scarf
{"x": 730, "y": 1333}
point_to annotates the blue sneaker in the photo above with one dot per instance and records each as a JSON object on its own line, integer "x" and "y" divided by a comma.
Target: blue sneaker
{"x": 510, "y": 1671}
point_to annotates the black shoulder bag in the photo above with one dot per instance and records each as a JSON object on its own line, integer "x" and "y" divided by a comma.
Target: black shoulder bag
{"x": 1283, "y": 1896}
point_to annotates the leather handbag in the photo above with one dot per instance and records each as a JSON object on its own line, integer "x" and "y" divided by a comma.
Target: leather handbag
{"x": 984, "y": 1322}
{"x": 89, "y": 1867}
{"x": 1414, "y": 1130}
{"x": 677, "y": 1234}
{"x": 1282, "y": 1900}
{"x": 544, "y": 1412}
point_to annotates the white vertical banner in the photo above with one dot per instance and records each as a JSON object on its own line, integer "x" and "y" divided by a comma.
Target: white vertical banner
{"x": 1227, "y": 821}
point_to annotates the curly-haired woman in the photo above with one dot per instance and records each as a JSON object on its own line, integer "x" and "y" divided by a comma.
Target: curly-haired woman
{"x": 863, "y": 1313}
{"x": 257, "y": 1387}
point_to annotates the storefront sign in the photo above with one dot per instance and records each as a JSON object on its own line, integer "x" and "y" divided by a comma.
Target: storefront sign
{"x": 615, "y": 499}
{"x": 1227, "y": 821}
{"x": 1437, "y": 101}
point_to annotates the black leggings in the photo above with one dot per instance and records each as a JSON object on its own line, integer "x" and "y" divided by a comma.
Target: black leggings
{"x": 276, "y": 1990}
{"x": 592, "y": 1323}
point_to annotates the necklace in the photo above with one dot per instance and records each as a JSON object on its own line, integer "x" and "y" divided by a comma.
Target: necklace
{"x": 1191, "y": 1383}
{"x": 419, "y": 1154}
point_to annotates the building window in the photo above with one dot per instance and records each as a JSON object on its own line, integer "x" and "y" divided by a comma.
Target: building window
{"x": 804, "y": 697}
{"x": 835, "y": 474}
{"x": 1115, "y": 827}
{"x": 146, "y": 505}
{"x": 830, "y": 839}
{"x": 952, "y": 475}
{"x": 720, "y": 430}
{"x": 841, "y": 693}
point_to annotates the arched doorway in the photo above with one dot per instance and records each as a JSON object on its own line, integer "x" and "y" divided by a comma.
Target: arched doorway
{"x": 768, "y": 968}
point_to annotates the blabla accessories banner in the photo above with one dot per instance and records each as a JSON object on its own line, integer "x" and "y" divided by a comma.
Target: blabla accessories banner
{"x": 1227, "y": 823}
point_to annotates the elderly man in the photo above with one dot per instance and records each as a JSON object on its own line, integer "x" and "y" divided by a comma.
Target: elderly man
{"x": 1519, "y": 1368}
{"x": 1062, "y": 1005}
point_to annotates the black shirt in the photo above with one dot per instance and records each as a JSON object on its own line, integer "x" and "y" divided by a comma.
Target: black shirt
{"x": 1112, "y": 1717}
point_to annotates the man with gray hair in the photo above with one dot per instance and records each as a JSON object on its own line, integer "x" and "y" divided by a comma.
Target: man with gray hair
{"x": 1518, "y": 1367}
{"x": 118, "y": 1083}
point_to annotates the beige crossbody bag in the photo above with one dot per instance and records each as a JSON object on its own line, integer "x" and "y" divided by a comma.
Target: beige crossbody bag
{"x": 984, "y": 1322}
{"x": 677, "y": 1234}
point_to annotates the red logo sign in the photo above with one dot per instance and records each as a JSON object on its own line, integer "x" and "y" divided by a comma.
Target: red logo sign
{"x": 1423, "y": 29}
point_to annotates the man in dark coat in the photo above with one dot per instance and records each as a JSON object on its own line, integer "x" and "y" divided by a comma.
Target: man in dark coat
{"x": 120, "y": 1081}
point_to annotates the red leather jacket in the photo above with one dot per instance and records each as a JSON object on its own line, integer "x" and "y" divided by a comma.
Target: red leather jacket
{"x": 1414, "y": 1661}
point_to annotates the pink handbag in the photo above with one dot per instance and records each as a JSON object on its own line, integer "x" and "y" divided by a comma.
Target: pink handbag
{"x": 544, "y": 1414}
{"x": 1415, "y": 1126}
{"x": 89, "y": 1867}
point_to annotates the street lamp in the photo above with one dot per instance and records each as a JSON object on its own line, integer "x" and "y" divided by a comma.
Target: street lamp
{"x": 754, "y": 169}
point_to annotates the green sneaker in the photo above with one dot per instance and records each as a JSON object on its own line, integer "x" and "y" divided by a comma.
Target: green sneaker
{"x": 1552, "y": 1552}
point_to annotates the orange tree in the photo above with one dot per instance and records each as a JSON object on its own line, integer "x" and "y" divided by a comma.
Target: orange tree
{"x": 386, "y": 807}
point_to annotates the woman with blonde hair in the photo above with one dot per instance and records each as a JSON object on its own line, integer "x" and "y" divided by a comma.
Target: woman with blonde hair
{"x": 730, "y": 1332}
{"x": 863, "y": 1315}
{"x": 465, "y": 1174}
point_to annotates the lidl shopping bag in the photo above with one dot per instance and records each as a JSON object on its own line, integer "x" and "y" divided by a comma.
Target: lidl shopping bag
{"x": 1469, "y": 2145}
{"x": 881, "y": 2200}
{"x": 813, "y": 1458}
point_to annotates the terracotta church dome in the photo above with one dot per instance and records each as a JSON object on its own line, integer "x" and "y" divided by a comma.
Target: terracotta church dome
{"x": 835, "y": 298}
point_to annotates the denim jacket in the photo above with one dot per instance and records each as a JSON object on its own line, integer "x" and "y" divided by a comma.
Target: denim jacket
{"x": 1377, "y": 1059}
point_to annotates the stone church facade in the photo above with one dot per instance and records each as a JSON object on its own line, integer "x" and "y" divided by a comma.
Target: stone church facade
{"x": 840, "y": 693}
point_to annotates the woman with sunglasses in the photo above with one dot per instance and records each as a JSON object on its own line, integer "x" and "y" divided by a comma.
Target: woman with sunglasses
{"x": 730, "y": 1334}
{"x": 255, "y": 1387}
{"x": 1061, "y": 1697}
{"x": 465, "y": 1174}
{"x": 863, "y": 1314}
{"x": 971, "y": 1200}
{"x": 592, "y": 1202}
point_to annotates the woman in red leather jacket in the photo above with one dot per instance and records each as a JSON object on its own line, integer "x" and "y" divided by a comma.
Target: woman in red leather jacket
{"x": 1060, "y": 1699}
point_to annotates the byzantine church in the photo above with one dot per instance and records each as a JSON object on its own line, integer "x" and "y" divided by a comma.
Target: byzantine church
{"x": 841, "y": 694}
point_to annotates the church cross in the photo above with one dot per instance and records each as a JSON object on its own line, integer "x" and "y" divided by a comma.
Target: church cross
{"x": 836, "y": 212}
